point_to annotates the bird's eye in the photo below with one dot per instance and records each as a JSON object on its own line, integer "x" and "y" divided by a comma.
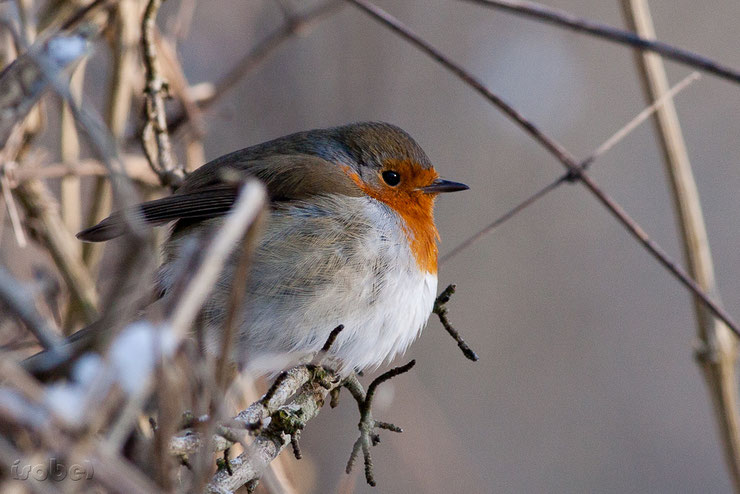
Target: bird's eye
{"x": 391, "y": 178}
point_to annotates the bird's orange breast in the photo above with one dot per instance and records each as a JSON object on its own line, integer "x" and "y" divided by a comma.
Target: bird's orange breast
{"x": 415, "y": 208}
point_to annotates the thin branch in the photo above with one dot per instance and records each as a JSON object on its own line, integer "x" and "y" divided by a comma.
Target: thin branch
{"x": 298, "y": 24}
{"x": 42, "y": 216}
{"x": 12, "y": 209}
{"x": 246, "y": 209}
{"x": 718, "y": 355}
{"x": 236, "y": 297}
{"x": 22, "y": 303}
{"x": 440, "y": 308}
{"x": 135, "y": 165}
{"x": 565, "y": 19}
{"x": 468, "y": 242}
{"x": 557, "y": 150}
{"x": 162, "y": 160}
{"x": 118, "y": 105}
{"x": 568, "y": 177}
{"x": 74, "y": 20}
{"x": 367, "y": 425}
{"x": 69, "y": 143}
{"x": 286, "y": 422}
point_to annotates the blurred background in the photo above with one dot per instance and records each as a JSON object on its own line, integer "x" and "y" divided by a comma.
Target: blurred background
{"x": 586, "y": 380}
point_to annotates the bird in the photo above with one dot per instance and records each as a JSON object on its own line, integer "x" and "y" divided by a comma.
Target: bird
{"x": 349, "y": 239}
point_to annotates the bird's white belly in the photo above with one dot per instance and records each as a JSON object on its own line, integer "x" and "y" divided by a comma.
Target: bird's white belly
{"x": 359, "y": 272}
{"x": 375, "y": 334}
{"x": 372, "y": 285}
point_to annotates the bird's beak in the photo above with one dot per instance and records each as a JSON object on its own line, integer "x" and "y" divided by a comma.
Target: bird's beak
{"x": 440, "y": 185}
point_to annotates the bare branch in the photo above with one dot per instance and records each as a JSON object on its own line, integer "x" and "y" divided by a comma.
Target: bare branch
{"x": 42, "y": 215}
{"x": 718, "y": 355}
{"x": 298, "y": 24}
{"x": 247, "y": 207}
{"x": 118, "y": 105}
{"x": 558, "y": 151}
{"x": 567, "y": 177}
{"x": 440, "y": 308}
{"x": 22, "y": 303}
{"x": 162, "y": 161}
{"x": 567, "y": 20}
{"x": 367, "y": 425}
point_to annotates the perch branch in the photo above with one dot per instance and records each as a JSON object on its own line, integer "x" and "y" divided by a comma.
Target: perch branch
{"x": 718, "y": 354}
{"x": 286, "y": 421}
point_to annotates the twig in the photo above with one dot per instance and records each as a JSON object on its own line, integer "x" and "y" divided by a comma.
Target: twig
{"x": 236, "y": 297}
{"x": 135, "y": 165}
{"x": 70, "y": 153}
{"x": 18, "y": 300}
{"x": 42, "y": 215}
{"x": 70, "y": 186}
{"x": 367, "y": 425}
{"x": 565, "y": 19}
{"x": 568, "y": 176}
{"x": 12, "y": 209}
{"x": 440, "y": 308}
{"x": 247, "y": 207}
{"x": 162, "y": 161}
{"x": 558, "y": 151}
{"x": 718, "y": 355}
{"x": 118, "y": 105}
{"x": 465, "y": 244}
{"x": 298, "y": 24}
{"x": 82, "y": 13}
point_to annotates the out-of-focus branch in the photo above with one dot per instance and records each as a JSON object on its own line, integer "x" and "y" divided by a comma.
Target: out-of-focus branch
{"x": 567, "y": 177}
{"x": 69, "y": 143}
{"x": 639, "y": 40}
{"x": 24, "y": 81}
{"x": 22, "y": 303}
{"x": 135, "y": 165}
{"x": 70, "y": 192}
{"x": 718, "y": 353}
{"x": 155, "y": 137}
{"x": 247, "y": 207}
{"x": 125, "y": 26}
{"x": 558, "y": 151}
{"x": 294, "y": 25}
{"x": 42, "y": 217}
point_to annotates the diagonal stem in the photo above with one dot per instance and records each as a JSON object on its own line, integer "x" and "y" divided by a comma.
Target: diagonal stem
{"x": 565, "y": 19}
{"x": 718, "y": 353}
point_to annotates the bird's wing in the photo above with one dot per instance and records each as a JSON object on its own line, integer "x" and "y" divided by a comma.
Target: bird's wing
{"x": 198, "y": 205}
{"x": 211, "y": 190}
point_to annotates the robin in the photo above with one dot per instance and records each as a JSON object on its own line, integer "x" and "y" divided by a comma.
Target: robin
{"x": 349, "y": 239}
